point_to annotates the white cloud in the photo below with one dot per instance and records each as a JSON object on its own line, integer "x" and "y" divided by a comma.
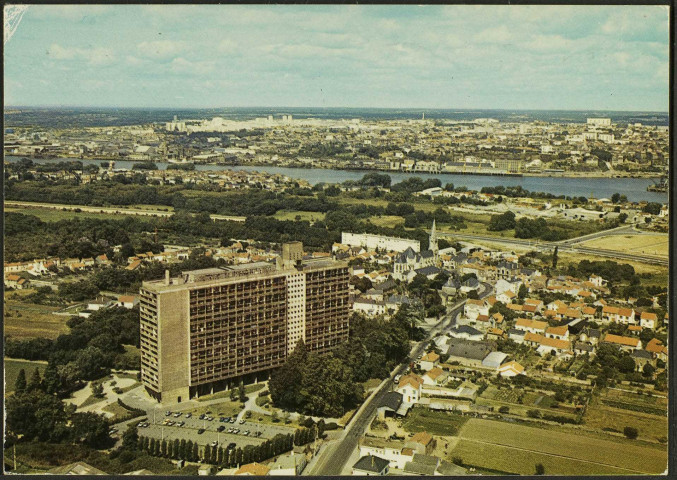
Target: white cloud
{"x": 183, "y": 66}
{"x": 94, "y": 56}
{"x": 161, "y": 49}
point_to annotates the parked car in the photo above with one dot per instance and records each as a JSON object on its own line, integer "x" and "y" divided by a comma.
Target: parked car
{"x": 202, "y": 417}
{"x": 232, "y": 420}
{"x": 200, "y": 431}
{"x": 180, "y": 424}
{"x": 188, "y": 415}
{"x": 221, "y": 428}
{"x": 177, "y": 414}
{"x": 168, "y": 413}
{"x": 246, "y": 432}
{"x": 242, "y": 421}
{"x": 214, "y": 443}
{"x": 231, "y": 446}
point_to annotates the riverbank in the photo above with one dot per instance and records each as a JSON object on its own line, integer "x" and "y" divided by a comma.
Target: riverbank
{"x": 292, "y": 165}
{"x": 634, "y": 187}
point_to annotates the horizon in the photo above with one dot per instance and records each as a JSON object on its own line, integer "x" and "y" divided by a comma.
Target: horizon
{"x": 476, "y": 57}
{"x": 255, "y": 107}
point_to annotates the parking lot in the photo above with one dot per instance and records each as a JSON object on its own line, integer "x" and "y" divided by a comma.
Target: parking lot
{"x": 204, "y": 432}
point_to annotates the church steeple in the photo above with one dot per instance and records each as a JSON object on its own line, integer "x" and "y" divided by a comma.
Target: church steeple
{"x": 432, "y": 243}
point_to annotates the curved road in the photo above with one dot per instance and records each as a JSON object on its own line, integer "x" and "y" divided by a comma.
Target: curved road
{"x": 333, "y": 457}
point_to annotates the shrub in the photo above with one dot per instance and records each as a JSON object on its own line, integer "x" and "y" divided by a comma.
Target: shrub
{"x": 630, "y": 432}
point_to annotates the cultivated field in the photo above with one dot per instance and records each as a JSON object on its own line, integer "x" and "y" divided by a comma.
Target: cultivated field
{"x": 433, "y": 422}
{"x": 12, "y": 368}
{"x": 517, "y": 449}
{"x": 640, "y": 244}
{"x": 28, "y": 320}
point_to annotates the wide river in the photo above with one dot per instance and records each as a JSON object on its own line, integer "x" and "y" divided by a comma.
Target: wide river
{"x": 633, "y": 188}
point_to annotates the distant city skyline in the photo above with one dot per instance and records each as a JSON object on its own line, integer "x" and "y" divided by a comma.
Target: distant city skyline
{"x": 300, "y": 56}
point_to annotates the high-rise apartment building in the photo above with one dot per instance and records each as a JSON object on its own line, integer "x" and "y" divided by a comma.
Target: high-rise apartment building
{"x": 206, "y": 329}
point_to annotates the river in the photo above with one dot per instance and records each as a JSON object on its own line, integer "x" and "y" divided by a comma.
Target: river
{"x": 633, "y": 188}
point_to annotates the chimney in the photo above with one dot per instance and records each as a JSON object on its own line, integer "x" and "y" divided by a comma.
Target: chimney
{"x": 166, "y": 277}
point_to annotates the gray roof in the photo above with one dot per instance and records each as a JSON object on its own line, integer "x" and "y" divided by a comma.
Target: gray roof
{"x": 427, "y": 254}
{"x": 515, "y": 331}
{"x": 459, "y": 347}
{"x": 391, "y": 400}
{"x": 641, "y": 354}
{"x": 466, "y": 329}
{"x": 582, "y": 346}
{"x": 449, "y": 469}
{"x": 370, "y": 463}
{"x": 430, "y": 270}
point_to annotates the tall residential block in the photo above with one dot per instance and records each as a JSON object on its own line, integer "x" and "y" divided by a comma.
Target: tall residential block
{"x": 207, "y": 329}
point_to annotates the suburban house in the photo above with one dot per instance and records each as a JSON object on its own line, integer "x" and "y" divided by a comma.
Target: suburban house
{"x": 624, "y": 343}
{"x": 410, "y": 388}
{"x": 435, "y": 376}
{"x": 560, "y": 332}
{"x": 429, "y": 360}
{"x": 288, "y": 465}
{"x": 253, "y": 469}
{"x": 648, "y": 320}
{"x": 389, "y": 450}
{"x": 467, "y": 352}
{"x": 656, "y": 347}
{"x": 473, "y": 308}
{"x": 533, "y": 326}
{"x": 511, "y": 369}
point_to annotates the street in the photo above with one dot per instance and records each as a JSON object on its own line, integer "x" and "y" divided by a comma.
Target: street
{"x": 333, "y": 457}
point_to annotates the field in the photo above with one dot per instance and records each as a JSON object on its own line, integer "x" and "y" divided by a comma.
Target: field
{"x": 493, "y": 397}
{"x": 625, "y": 409}
{"x": 641, "y": 244}
{"x": 299, "y": 215}
{"x": 12, "y": 368}
{"x": 54, "y": 215}
{"x": 386, "y": 220}
{"x": 517, "y": 449}
{"x": 34, "y": 320}
{"x": 435, "y": 423}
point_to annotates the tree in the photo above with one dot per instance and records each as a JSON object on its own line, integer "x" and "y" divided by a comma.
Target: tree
{"x": 540, "y": 469}
{"x": 622, "y": 217}
{"x": 504, "y": 221}
{"x": 554, "y": 258}
{"x": 20, "y": 383}
{"x": 130, "y": 438}
{"x": 648, "y": 370}
{"x": 35, "y": 382}
{"x": 91, "y": 429}
{"x": 616, "y": 197}
{"x": 97, "y": 390}
{"x": 522, "y": 292}
{"x": 630, "y": 432}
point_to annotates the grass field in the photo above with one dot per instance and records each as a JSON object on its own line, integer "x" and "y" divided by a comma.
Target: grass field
{"x": 386, "y": 220}
{"x": 435, "y": 423}
{"x": 645, "y": 244}
{"x": 35, "y": 320}
{"x": 12, "y": 368}
{"x": 53, "y": 215}
{"x": 302, "y": 215}
{"x": 517, "y": 448}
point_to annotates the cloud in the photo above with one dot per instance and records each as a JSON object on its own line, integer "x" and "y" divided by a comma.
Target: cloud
{"x": 183, "y": 66}
{"x": 161, "y": 49}
{"x": 94, "y": 56}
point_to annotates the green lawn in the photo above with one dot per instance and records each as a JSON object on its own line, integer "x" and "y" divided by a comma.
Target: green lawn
{"x": 12, "y": 368}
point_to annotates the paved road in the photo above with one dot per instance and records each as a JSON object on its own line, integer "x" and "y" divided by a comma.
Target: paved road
{"x": 333, "y": 458}
{"x": 538, "y": 245}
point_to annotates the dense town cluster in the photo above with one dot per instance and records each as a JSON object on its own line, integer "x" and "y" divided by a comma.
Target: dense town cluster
{"x": 484, "y": 145}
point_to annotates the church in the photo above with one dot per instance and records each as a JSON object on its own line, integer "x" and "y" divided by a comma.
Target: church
{"x": 409, "y": 260}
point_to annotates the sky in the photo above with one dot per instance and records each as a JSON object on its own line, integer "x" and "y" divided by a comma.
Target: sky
{"x": 393, "y": 56}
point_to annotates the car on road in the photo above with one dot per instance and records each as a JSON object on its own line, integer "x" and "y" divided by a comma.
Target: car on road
{"x": 112, "y": 431}
{"x": 201, "y": 431}
{"x": 188, "y": 415}
{"x": 221, "y": 428}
